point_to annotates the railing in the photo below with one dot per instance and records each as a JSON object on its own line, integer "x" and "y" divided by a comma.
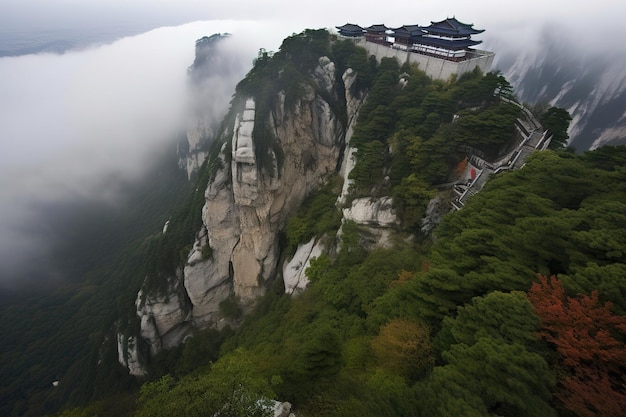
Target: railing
{"x": 488, "y": 168}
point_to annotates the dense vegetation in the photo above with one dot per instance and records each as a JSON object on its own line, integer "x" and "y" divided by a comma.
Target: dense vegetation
{"x": 406, "y": 138}
{"x": 59, "y": 334}
{"x": 465, "y": 324}
{"x": 449, "y": 329}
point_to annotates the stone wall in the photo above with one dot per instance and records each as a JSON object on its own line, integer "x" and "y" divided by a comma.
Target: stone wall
{"x": 433, "y": 67}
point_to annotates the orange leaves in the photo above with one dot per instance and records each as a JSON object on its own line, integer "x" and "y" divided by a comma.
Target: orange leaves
{"x": 403, "y": 346}
{"x": 591, "y": 351}
{"x": 460, "y": 168}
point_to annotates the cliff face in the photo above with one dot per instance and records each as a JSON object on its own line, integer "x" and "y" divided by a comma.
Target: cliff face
{"x": 247, "y": 205}
{"x": 248, "y": 202}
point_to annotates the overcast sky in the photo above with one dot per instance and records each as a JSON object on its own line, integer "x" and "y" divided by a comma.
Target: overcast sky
{"x": 599, "y": 15}
{"x": 70, "y": 122}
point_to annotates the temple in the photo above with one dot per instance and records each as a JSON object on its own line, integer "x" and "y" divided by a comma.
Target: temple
{"x": 376, "y": 33}
{"x": 350, "y": 30}
{"x": 448, "y": 38}
{"x": 441, "y": 49}
{"x": 404, "y": 36}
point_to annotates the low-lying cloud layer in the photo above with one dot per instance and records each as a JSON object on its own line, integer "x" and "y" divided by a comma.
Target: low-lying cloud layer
{"x": 73, "y": 127}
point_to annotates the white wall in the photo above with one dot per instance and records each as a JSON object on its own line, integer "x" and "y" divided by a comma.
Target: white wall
{"x": 433, "y": 67}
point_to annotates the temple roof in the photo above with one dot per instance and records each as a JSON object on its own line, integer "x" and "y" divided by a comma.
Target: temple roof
{"x": 451, "y": 26}
{"x": 408, "y": 31}
{"x": 350, "y": 28}
{"x": 447, "y": 43}
{"x": 377, "y": 28}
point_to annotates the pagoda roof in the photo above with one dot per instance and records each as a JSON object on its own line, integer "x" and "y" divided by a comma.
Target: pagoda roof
{"x": 377, "y": 28}
{"x": 350, "y": 28}
{"x": 408, "y": 31}
{"x": 451, "y": 26}
{"x": 447, "y": 43}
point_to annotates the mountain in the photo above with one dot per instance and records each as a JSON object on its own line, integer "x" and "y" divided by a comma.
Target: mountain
{"x": 314, "y": 263}
{"x": 587, "y": 81}
{"x": 254, "y": 187}
{"x": 315, "y": 257}
{"x": 288, "y": 134}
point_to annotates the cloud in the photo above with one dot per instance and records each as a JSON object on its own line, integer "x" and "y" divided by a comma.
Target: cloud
{"x": 73, "y": 127}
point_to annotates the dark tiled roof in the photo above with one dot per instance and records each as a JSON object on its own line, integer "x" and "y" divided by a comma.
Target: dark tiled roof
{"x": 377, "y": 28}
{"x": 407, "y": 31}
{"x": 446, "y": 43}
{"x": 408, "y": 28}
{"x": 451, "y": 26}
{"x": 349, "y": 27}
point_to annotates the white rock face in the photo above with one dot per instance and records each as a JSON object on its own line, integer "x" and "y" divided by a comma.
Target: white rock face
{"x": 283, "y": 409}
{"x": 192, "y": 154}
{"x": 247, "y": 203}
{"x": 349, "y": 160}
{"x": 435, "y": 210}
{"x": 208, "y": 282}
{"x": 353, "y": 104}
{"x": 372, "y": 212}
{"x": 354, "y": 100}
{"x": 164, "y": 319}
{"x": 294, "y": 271}
{"x": 324, "y": 73}
{"x": 128, "y": 355}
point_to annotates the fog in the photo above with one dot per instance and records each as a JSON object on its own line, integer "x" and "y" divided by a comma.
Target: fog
{"x": 79, "y": 126}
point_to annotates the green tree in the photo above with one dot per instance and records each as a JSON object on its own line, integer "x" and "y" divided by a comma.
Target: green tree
{"x": 369, "y": 167}
{"x": 411, "y": 198}
{"x": 557, "y": 121}
{"x": 498, "y": 315}
{"x": 232, "y": 388}
{"x": 503, "y": 379}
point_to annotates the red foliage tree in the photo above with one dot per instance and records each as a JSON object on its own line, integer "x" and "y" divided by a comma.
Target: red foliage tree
{"x": 588, "y": 339}
{"x": 460, "y": 168}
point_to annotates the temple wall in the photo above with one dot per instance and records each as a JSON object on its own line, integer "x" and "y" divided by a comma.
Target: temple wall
{"x": 433, "y": 67}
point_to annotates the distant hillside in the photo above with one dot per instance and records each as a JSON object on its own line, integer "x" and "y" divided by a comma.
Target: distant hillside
{"x": 590, "y": 82}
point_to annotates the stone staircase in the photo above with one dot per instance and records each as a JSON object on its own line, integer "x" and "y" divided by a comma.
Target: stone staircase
{"x": 535, "y": 138}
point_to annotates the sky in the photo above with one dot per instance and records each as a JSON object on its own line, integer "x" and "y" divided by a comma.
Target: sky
{"x": 71, "y": 122}
{"x": 494, "y": 14}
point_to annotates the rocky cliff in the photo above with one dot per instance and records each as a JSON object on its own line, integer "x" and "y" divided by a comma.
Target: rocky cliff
{"x": 247, "y": 204}
{"x": 248, "y": 200}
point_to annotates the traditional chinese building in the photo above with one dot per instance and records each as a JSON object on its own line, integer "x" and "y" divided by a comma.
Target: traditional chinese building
{"x": 350, "y": 30}
{"x": 441, "y": 50}
{"x": 377, "y": 34}
{"x": 405, "y": 36}
{"x": 447, "y": 38}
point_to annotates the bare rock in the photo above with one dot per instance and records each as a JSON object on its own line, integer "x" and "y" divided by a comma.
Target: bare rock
{"x": 373, "y": 212}
{"x": 294, "y": 271}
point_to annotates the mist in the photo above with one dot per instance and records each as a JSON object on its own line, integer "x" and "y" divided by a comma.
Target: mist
{"x": 79, "y": 127}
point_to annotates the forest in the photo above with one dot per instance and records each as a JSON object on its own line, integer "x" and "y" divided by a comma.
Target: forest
{"x": 512, "y": 306}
